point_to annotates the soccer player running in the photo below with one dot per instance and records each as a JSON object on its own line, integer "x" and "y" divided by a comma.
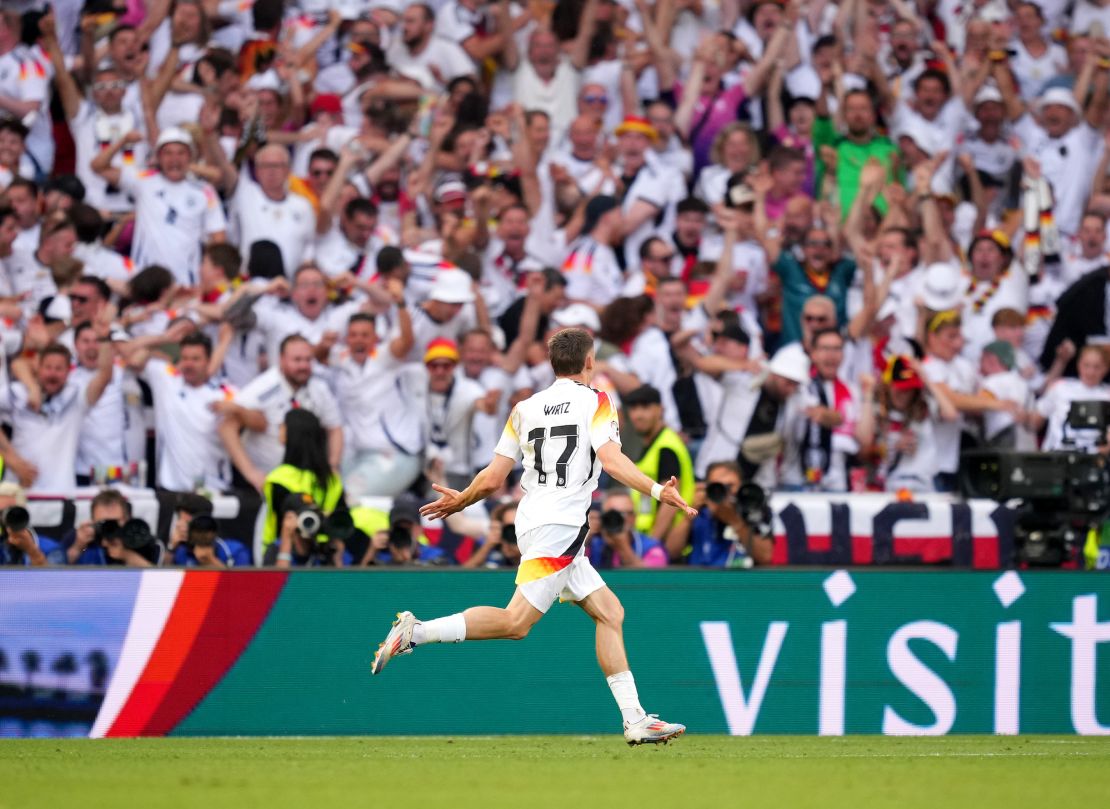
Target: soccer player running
{"x": 561, "y": 433}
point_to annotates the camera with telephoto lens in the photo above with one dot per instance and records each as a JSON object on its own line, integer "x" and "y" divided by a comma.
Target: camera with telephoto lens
{"x": 716, "y": 492}
{"x": 508, "y": 534}
{"x": 754, "y": 508}
{"x": 136, "y": 535}
{"x": 106, "y": 529}
{"x": 311, "y": 521}
{"x": 612, "y": 521}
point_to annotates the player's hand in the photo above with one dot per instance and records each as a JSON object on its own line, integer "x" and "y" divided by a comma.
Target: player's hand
{"x": 449, "y": 503}
{"x": 671, "y": 497}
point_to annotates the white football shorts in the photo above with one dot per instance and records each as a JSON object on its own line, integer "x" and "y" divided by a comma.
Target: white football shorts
{"x": 553, "y": 565}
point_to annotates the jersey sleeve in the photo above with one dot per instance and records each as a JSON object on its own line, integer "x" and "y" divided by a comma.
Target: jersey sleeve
{"x": 509, "y": 443}
{"x": 604, "y": 425}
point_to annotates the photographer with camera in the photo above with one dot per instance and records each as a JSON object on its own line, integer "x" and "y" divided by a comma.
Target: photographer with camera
{"x": 733, "y": 526}
{"x": 617, "y": 543}
{"x": 664, "y": 456}
{"x": 500, "y": 549}
{"x": 112, "y": 536}
{"x": 195, "y": 539}
{"x": 405, "y": 543}
{"x": 20, "y": 544}
{"x": 307, "y": 521}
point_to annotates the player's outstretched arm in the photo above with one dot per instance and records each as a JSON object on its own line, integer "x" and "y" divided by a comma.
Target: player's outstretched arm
{"x": 621, "y": 468}
{"x": 484, "y": 484}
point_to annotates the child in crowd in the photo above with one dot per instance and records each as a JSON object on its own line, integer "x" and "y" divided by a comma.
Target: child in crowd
{"x": 1002, "y": 379}
{"x": 1053, "y": 407}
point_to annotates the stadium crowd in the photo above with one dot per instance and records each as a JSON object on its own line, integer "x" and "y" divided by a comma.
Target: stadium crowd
{"x": 822, "y": 246}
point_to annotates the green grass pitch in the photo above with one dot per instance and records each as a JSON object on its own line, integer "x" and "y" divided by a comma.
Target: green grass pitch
{"x": 557, "y": 771}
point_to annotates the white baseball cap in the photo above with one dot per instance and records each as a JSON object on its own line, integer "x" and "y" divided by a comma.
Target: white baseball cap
{"x": 988, "y": 92}
{"x": 1060, "y": 96}
{"x": 994, "y": 11}
{"x": 790, "y": 362}
{"x": 925, "y": 136}
{"x": 577, "y": 315}
{"x": 452, "y": 286}
{"x": 942, "y": 287}
{"x": 174, "y": 134}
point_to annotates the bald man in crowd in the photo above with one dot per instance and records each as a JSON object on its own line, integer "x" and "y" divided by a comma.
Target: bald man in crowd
{"x": 262, "y": 207}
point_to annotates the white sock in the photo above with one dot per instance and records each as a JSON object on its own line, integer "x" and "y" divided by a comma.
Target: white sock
{"x": 451, "y": 629}
{"x": 624, "y": 692}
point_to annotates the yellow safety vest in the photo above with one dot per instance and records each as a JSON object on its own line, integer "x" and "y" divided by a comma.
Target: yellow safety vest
{"x": 297, "y": 481}
{"x": 647, "y": 506}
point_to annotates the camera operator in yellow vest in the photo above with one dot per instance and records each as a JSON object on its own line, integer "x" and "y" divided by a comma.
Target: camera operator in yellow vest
{"x": 307, "y": 521}
{"x": 665, "y": 454}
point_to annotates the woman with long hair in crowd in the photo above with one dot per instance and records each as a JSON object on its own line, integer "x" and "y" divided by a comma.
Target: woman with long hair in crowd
{"x": 304, "y": 481}
{"x": 896, "y": 426}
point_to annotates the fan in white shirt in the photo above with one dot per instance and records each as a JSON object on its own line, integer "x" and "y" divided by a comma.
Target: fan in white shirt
{"x": 1000, "y": 377}
{"x": 24, "y": 198}
{"x": 944, "y": 369}
{"x": 29, "y": 271}
{"x": 188, "y": 407}
{"x": 549, "y": 80}
{"x": 47, "y": 421}
{"x": 651, "y": 192}
{"x": 421, "y": 54}
{"x": 352, "y": 245}
{"x": 479, "y": 28}
{"x": 1036, "y": 58}
{"x": 174, "y": 212}
{"x": 593, "y": 274}
{"x": 477, "y": 362}
{"x": 96, "y": 123}
{"x": 267, "y": 209}
{"x": 260, "y": 409}
{"x": 1065, "y": 141}
{"x": 363, "y": 377}
{"x": 1053, "y": 407}
{"x": 104, "y": 430}
{"x": 307, "y": 313}
{"x": 451, "y": 310}
{"x": 25, "y": 75}
{"x": 14, "y": 160}
{"x": 1086, "y": 252}
{"x": 449, "y": 402}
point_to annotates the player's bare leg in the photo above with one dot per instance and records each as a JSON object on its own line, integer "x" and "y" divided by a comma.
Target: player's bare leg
{"x": 605, "y": 609}
{"x": 477, "y": 623}
{"x": 608, "y": 614}
{"x": 493, "y": 623}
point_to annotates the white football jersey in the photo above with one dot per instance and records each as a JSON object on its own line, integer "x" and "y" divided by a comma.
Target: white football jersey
{"x": 557, "y": 432}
